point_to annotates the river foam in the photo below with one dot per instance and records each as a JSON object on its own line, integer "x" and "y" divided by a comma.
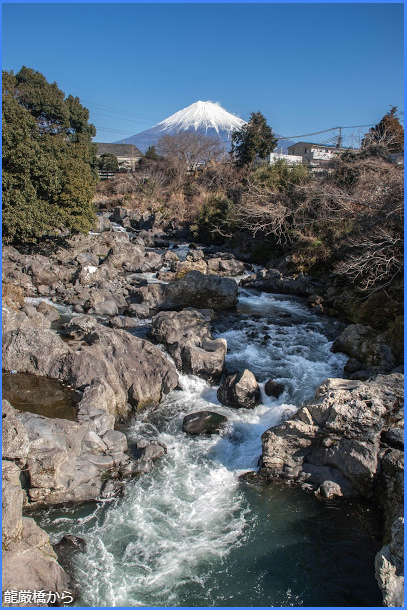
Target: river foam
{"x": 181, "y": 530}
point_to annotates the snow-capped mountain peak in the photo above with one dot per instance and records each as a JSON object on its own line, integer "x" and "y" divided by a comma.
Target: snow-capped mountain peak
{"x": 202, "y": 116}
{"x": 208, "y": 118}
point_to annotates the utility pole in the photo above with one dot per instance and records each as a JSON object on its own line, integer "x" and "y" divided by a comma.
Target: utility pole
{"x": 339, "y": 144}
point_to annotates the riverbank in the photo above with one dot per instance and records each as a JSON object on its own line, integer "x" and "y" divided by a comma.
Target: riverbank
{"x": 112, "y": 285}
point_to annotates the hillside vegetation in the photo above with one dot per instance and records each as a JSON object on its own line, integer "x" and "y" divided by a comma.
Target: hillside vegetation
{"x": 48, "y": 159}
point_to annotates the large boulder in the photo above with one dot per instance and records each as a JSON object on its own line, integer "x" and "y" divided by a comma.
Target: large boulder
{"x": 273, "y": 389}
{"x": 134, "y": 369}
{"x": 32, "y": 350}
{"x": 129, "y": 363}
{"x": 225, "y": 267}
{"x": 336, "y": 437}
{"x": 203, "y": 423}
{"x": 200, "y": 291}
{"x": 133, "y": 258}
{"x": 367, "y": 349}
{"x": 150, "y": 295}
{"x": 181, "y": 268}
{"x": 389, "y": 565}
{"x": 274, "y": 281}
{"x": 28, "y": 560}
{"x": 188, "y": 339}
{"x": 239, "y": 390}
{"x": 62, "y": 461}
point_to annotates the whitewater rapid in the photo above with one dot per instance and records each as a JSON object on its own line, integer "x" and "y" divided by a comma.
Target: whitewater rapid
{"x": 174, "y": 537}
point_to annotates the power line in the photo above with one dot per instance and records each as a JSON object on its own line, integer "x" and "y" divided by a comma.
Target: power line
{"x": 324, "y": 131}
{"x": 108, "y": 129}
{"x": 122, "y": 112}
{"x": 99, "y": 114}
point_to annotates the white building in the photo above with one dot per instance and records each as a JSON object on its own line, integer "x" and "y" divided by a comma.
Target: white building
{"x": 274, "y": 157}
{"x": 312, "y": 154}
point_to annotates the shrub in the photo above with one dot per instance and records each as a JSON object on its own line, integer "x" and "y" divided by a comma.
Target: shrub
{"x": 216, "y": 218}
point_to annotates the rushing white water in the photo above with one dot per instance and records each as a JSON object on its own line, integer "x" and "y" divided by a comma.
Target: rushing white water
{"x": 176, "y": 526}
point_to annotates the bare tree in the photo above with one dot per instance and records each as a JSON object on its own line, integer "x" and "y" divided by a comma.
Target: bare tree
{"x": 190, "y": 149}
{"x": 375, "y": 261}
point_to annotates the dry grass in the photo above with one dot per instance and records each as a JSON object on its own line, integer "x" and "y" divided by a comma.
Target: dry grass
{"x": 13, "y": 295}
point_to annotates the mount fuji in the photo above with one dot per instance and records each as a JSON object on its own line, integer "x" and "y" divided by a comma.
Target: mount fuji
{"x": 204, "y": 117}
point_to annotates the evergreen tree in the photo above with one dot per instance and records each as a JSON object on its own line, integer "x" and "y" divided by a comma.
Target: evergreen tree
{"x": 151, "y": 153}
{"x": 108, "y": 162}
{"x": 48, "y": 159}
{"x": 254, "y": 138}
{"x": 388, "y": 131}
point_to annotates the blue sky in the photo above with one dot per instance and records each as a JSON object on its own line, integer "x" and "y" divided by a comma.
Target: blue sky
{"x": 306, "y": 67}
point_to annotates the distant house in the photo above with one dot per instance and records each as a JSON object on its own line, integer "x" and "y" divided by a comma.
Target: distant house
{"x": 272, "y": 158}
{"x": 313, "y": 154}
{"x": 127, "y": 155}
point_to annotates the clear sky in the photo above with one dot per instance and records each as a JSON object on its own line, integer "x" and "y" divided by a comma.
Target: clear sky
{"x": 306, "y": 67}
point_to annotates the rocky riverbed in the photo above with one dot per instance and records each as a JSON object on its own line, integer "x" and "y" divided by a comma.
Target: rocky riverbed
{"x": 174, "y": 367}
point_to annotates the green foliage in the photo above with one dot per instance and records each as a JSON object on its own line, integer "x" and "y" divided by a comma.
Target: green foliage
{"x": 151, "y": 153}
{"x": 108, "y": 163}
{"x": 215, "y": 218}
{"x": 254, "y": 138}
{"x": 48, "y": 159}
{"x": 388, "y": 132}
{"x": 280, "y": 175}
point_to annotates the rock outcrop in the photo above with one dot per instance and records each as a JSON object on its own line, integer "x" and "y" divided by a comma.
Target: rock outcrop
{"x": 336, "y": 437}
{"x": 135, "y": 370}
{"x": 197, "y": 290}
{"x": 347, "y": 442}
{"x": 187, "y": 337}
{"x": 29, "y": 562}
{"x": 368, "y": 351}
{"x": 272, "y": 280}
{"x": 203, "y": 423}
{"x": 389, "y": 566}
{"x": 239, "y": 390}
{"x": 61, "y": 461}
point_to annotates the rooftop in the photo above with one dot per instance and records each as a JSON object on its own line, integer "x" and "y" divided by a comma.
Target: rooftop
{"x": 118, "y": 150}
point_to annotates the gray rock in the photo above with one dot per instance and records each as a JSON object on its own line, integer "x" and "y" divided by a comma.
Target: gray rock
{"x": 31, "y": 350}
{"x": 138, "y": 310}
{"x": 225, "y": 267}
{"x": 130, "y": 257}
{"x": 340, "y": 429}
{"x": 394, "y": 438}
{"x": 87, "y": 258}
{"x": 12, "y": 502}
{"x": 203, "y": 423}
{"x": 30, "y": 563}
{"x": 187, "y": 337}
{"x": 67, "y": 461}
{"x": 28, "y": 560}
{"x": 145, "y": 453}
{"x": 103, "y": 224}
{"x": 200, "y": 291}
{"x": 273, "y": 389}
{"x": 118, "y": 215}
{"x": 115, "y": 440}
{"x": 181, "y": 268}
{"x": 273, "y": 280}
{"x": 389, "y": 567}
{"x": 366, "y": 346}
{"x": 132, "y": 367}
{"x": 239, "y": 390}
{"x": 15, "y": 442}
{"x": 48, "y": 311}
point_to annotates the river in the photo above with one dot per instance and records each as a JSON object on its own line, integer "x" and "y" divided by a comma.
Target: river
{"x": 191, "y": 533}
